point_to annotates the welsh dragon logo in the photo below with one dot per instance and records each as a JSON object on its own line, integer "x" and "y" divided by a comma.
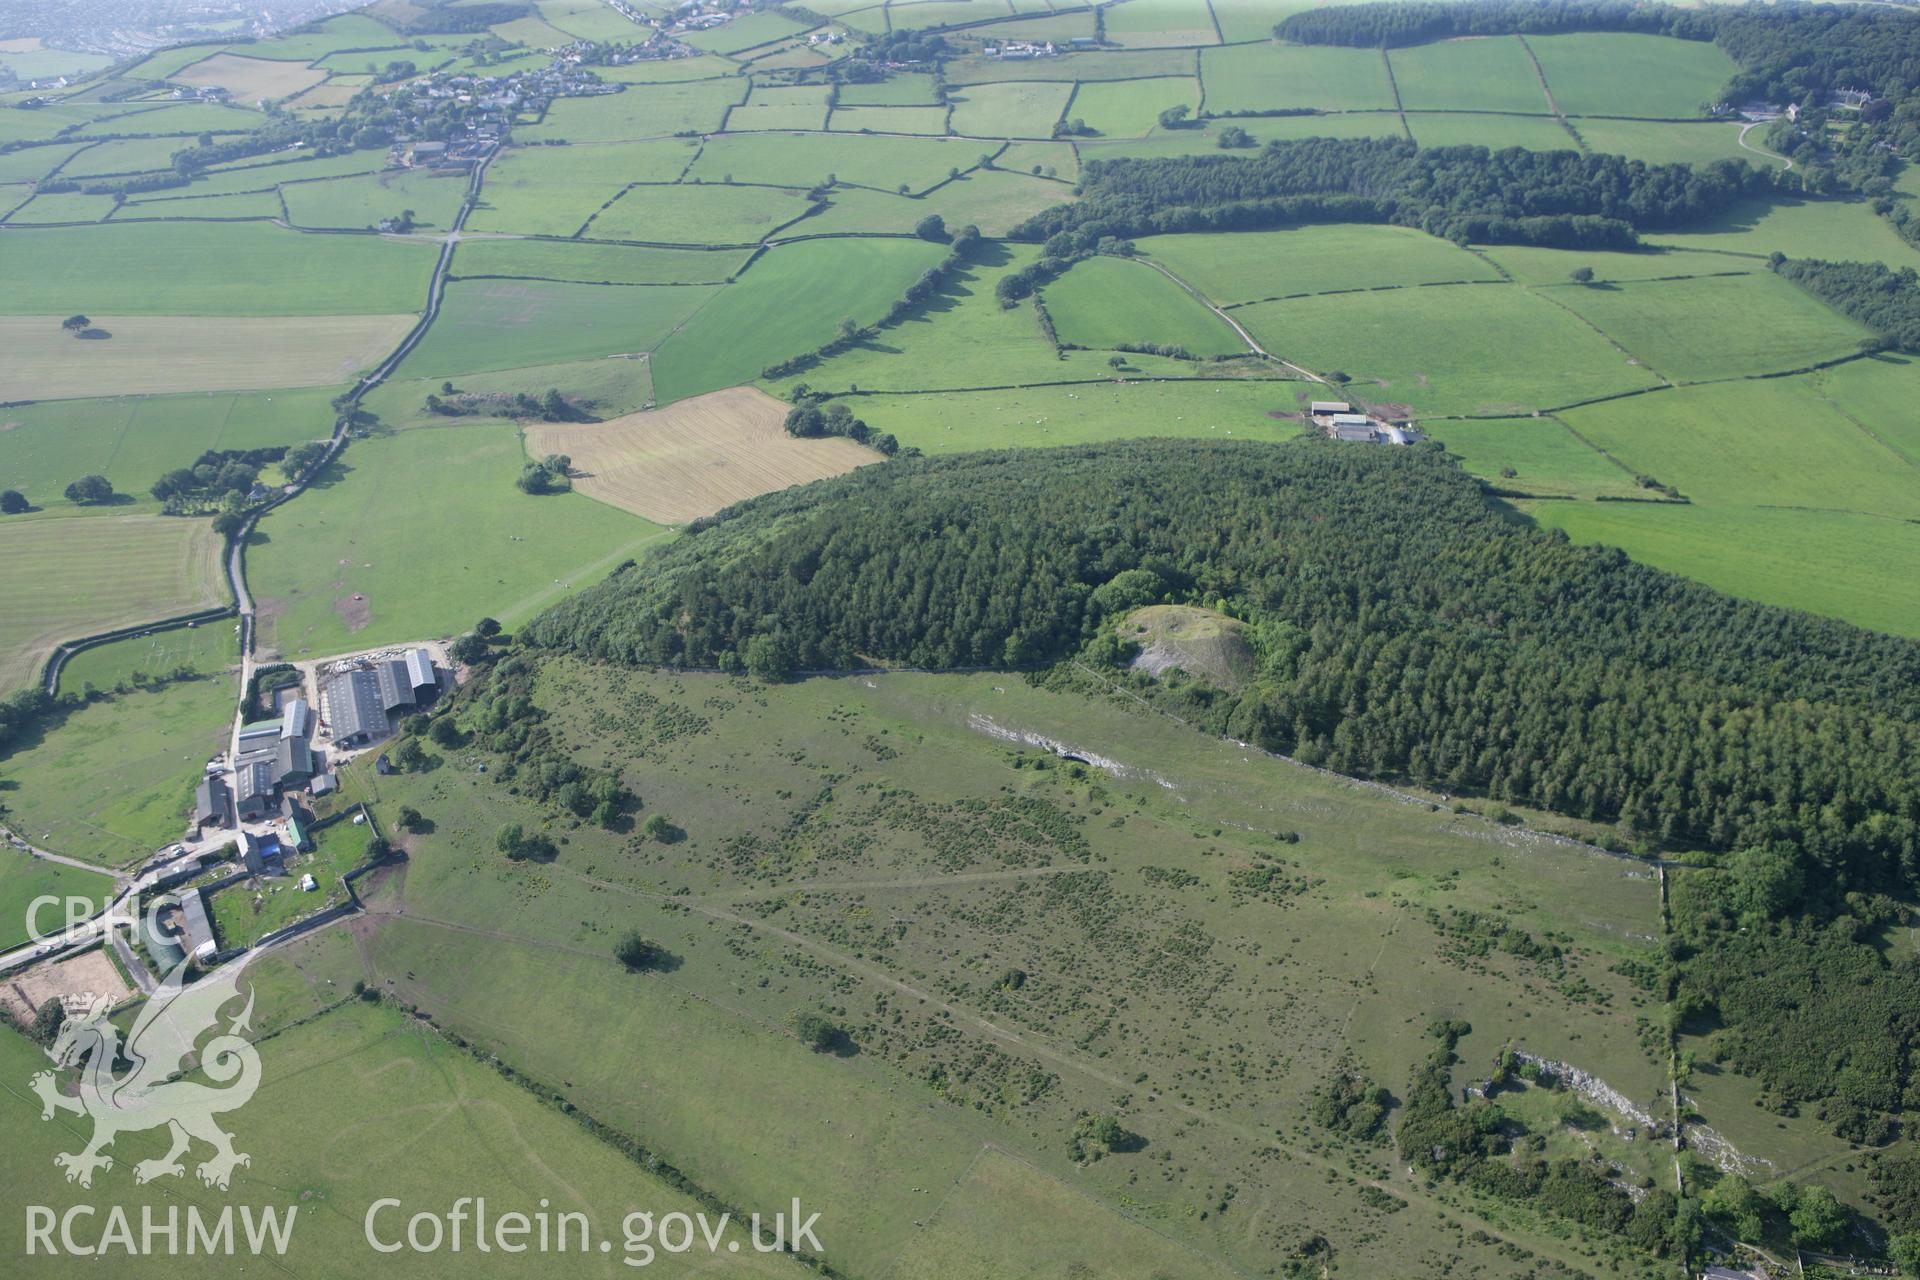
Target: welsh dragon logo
{"x": 140, "y": 1085}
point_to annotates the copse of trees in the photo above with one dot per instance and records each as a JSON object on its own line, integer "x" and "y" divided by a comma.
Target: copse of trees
{"x": 1558, "y": 198}
{"x": 13, "y": 502}
{"x": 808, "y": 420}
{"x": 89, "y": 491}
{"x": 1403, "y": 630}
{"x": 1882, "y": 298}
{"x": 550, "y": 474}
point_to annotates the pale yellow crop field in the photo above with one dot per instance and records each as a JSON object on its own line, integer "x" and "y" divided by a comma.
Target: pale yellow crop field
{"x": 250, "y": 79}
{"x": 694, "y": 457}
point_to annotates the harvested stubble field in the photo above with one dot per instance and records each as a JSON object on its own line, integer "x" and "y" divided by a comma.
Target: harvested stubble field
{"x": 691, "y": 459}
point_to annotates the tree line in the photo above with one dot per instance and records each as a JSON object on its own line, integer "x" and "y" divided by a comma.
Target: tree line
{"x": 1885, "y": 300}
{"x": 1403, "y": 631}
{"x": 1468, "y": 193}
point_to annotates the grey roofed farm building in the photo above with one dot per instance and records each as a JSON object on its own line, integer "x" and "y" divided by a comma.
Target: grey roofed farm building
{"x": 195, "y": 924}
{"x": 293, "y": 763}
{"x": 298, "y": 721}
{"x": 355, "y": 707}
{"x": 255, "y": 783}
{"x": 212, "y": 803}
{"x": 396, "y": 685}
{"x": 420, "y": 670}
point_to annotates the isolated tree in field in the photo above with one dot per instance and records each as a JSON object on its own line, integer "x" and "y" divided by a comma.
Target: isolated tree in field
{"x": 1116, "y": 362}
{"x": 89, "y": 489}
{"x": 814, "y": 1030}
{"x": 1233, "y": 137}
{"x": 74, "y": 324}
{"x": 1175, "y": 116}
{"x": 486, "y": 628}
{"x": 511, "y": 840}
{"x": 13, "y": 502}
{"x": 410, "y": 755}
{"x": 409, "y": 818}
{"x": 637, "y": 952}
{"x": 932, "y": 227}
{"x": 1581, "y": 275}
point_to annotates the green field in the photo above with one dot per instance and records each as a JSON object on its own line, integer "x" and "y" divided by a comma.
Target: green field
{"x": 1826, "y": 562}
{"x": 1662, "y": 142}
{"x": 594, "y": 263}
{"x": 1495, "y": 132}
{"x": 374, "y": 1092}
{"x": 208, "y": 648}
{"x": 642, "y": 111}
{"x": 1104, "y": 302}
{"x": 1773, "y": 443}
{"x": 444, "y": 497}
{"x": 1878, "y": 394}
{"x": 1131, "y": 108}
{"x": 1492, "y": 74}
{"x": 1054, "y": 417}
{"x": 211, "y": 269}
{"x": 783, "y": 107}
{"x": 965, "y": 338}
{"x": 434, "y": 200}
{"x": 1618, "y": 74}
{"x": 111, "y": 782}
{"x": 1266, "y": 77}
{"x": 1544, "y": 455}
{"x": 1147, "y": 24}
{"x": 1476, "y": 349}
{"x": 1847, "y": 229}
{"x": 64, "y": 579}
{"x": 925, "y": 121}
{"x": 1009, "y": 110}
{"x": 706, "y": 213}
{"x": 994, "y": 200}
{"x": 24, "y": 879}
{"x": 62, "y": 207}
{"x": 1717, "y": 327}
{"x": 552, "y": 191}
{"x": 251, "y": 204}
{"x": 130, "y": 155}
{"x": 790, "y": 300}
{"x": 510, "y": 324}
{"x": 1083, "y": 67}
{"x": 805, "y": 160}
{"x": 134, "y": 440}
{"x": 746, "y": 32}
{"x": 903, "y": 89}
{"x": 1530, "y": 265}
{"x": 1248, "y": 266}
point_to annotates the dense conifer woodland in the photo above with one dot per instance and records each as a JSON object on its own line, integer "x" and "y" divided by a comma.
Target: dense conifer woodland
{"x": 1404, "y": 629}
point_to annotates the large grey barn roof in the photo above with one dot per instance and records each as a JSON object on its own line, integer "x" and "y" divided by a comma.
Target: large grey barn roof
{"x": 396, "y": 686}
{"x": 354, "y": 705}
{"x": 420, "y": 669}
